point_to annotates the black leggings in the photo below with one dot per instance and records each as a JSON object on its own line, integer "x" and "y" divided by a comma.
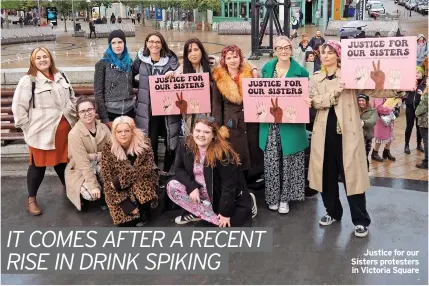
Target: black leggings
{"x": 410, "y": 114}
{"x": 157, "y": 128}
{"x": 36, "y": 174}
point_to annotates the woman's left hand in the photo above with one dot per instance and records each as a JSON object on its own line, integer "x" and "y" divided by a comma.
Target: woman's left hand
{"x": 255, "y": 73}
{"x": 170, "y": 74}
{"x": 224, "y": 221}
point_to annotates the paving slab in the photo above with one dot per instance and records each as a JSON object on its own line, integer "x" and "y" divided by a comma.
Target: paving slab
{"x": 303, "y": 252}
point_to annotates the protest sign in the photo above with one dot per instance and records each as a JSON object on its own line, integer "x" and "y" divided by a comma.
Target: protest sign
{"x": 379, "y": 63}
{"x": 183, "y": 94}
{"x": 279, "y": 100}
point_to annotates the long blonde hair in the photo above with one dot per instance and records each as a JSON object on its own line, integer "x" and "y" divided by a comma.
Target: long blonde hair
{"x": 138, "y": 141}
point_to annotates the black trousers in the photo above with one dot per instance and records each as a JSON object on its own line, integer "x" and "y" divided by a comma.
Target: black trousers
{"x": 410, "y": 115}
{"x": 157, "y": 128}
{"x": 36, "y": 174}
{"x": 332, "y": 167}
{"x": 113, "y": 116}
{"x": 90, "y": 34}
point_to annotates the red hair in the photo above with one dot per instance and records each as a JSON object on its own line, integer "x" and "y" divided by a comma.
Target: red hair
{"x": 33, "y": 69}
{"x": 234, "y": 49}
{"x": 219, "y": 149}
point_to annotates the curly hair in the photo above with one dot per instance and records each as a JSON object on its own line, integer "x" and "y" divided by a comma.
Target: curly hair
{"x": 219, "y": 149}
{"x": 234, "y": 49}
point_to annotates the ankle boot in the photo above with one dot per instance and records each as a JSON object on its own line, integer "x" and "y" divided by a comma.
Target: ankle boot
{"x": 375, "y": 156}
{"x": 407, "y": 149}
{"x": 387, "y": 155}
{"x": 420, "y": 147}
{"x": 32, "y": 206}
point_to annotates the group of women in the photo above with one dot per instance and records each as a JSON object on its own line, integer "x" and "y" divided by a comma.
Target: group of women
{"x": 210, "y": 155}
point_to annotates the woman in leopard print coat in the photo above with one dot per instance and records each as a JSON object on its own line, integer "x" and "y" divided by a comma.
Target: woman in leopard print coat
{"x": 129, "y": 174}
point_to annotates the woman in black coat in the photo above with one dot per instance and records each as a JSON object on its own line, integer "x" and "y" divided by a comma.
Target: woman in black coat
{"x": 208, "y": 181}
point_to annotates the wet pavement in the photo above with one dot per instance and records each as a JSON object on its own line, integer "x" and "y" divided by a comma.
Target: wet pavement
{"x": 303, "y": 252}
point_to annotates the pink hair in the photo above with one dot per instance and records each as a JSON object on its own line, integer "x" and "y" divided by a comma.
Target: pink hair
{"x": 234, "y": 49}
{"x": 137, "y": 145}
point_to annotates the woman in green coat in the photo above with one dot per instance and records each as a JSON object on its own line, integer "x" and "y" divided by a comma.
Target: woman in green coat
{"x": 283, "y": 144}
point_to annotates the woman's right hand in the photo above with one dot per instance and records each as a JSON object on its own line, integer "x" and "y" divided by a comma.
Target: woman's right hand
{"x": 195, "y": 196}
{"x": 95, "y": 193}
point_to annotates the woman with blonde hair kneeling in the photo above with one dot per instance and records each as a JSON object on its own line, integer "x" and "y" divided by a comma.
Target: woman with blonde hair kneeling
{"x": 209, "y": 183}
{"x": 86, "y": 140}
{"x": 130, "y": 179}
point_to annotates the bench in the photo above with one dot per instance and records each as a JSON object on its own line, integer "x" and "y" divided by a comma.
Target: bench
{"x": 9, "y": 132}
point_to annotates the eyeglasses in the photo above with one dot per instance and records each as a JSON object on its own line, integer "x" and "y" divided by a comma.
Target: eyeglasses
{"x": 154, "y": 42}
{"x": 208, "y": 118}
{"x": 85, "y": 111}
{"x": 285, "y": 48}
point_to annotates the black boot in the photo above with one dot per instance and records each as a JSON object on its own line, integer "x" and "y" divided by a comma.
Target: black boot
{"x": 420, "y": 147}
{"x": 407, "y": 149}
{"x": 423, "y": 165}
{"x": 387, "y": 155}
{"x": 375, "y": 156}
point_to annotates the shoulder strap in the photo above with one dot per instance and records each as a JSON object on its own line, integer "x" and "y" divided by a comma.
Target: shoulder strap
{"x": 67, "y": 81}
{"x": 33, "y": 88}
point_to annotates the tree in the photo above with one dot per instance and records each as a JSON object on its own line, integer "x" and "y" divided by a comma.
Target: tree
{"x": 64, "y": 8}
{"x": 10, "y": 4}
{"x": 204, "y": 5}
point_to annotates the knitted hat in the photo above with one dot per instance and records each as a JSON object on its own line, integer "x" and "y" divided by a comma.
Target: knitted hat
{"x": 364, "y": 96}
{"x": 335, "y": 45}
{"x": 117, "y": 34}
{"x": 420, "y": 70}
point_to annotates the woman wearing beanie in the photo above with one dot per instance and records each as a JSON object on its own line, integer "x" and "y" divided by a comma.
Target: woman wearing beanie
{"x": 113, "y": 81}
{"x": 412, "y": 101}
{"x": 368, "y": 117}
{"x": 155, "y": 58}
{"x": 337, "y": 145}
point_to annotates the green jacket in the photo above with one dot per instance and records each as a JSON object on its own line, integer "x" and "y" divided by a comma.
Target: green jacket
{"x": 293, "y": 135}
{"x": 369, "y": 118}
{"x": 422, "y": 112}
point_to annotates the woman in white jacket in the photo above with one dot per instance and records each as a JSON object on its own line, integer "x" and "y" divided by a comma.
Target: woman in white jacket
{"x": 44, "y": 108}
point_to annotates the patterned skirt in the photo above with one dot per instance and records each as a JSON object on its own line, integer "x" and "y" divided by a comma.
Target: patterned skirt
{"x": 284, "y": 175}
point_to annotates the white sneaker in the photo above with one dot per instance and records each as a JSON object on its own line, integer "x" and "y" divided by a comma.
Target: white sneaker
{"x": 273, "y": 207}
{"x": 284, "y": 208}
{"x": 326, "y": 220}
{"x": 361, "y": 231}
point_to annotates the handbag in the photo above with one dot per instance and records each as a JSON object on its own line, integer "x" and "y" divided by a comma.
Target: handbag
{"x": 388, "y": 119}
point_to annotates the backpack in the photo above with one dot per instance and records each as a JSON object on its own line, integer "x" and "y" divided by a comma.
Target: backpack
{"x": 33, "y": 87}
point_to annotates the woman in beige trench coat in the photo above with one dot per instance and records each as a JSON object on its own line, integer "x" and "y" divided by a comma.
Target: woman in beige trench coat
{"x": 337, "y": 145}
{"x": 86, "y": 140}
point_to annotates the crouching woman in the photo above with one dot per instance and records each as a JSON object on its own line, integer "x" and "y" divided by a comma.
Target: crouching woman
{"x": 208, "y": 181}
{"x": 86, "y": 140}
{"x": 130, "y": 179}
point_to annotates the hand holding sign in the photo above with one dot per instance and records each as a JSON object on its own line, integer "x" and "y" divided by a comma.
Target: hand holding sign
{"x": 261, "y": 111}
{"x": 394, "y": 79}
{"x": 167, "y": 105}
{"x": 362, "y": 76}
{"x": 378, "y": 76}
{"x": 181, "y": 103}
{"x": 276, "y": 111}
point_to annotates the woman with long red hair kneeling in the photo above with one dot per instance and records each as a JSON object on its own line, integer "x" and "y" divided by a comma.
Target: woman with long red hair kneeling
{"x": 209, "y": 183}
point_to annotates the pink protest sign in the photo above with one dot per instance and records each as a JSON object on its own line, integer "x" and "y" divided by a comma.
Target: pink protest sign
{"x": 379, "y": 63}
{"x": 182, "y": 94}
{"x": 275, "y": 100}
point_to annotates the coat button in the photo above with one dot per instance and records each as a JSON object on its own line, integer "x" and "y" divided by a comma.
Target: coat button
{"x": 350, "y": 119}
{"x": 354, "y": 133}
